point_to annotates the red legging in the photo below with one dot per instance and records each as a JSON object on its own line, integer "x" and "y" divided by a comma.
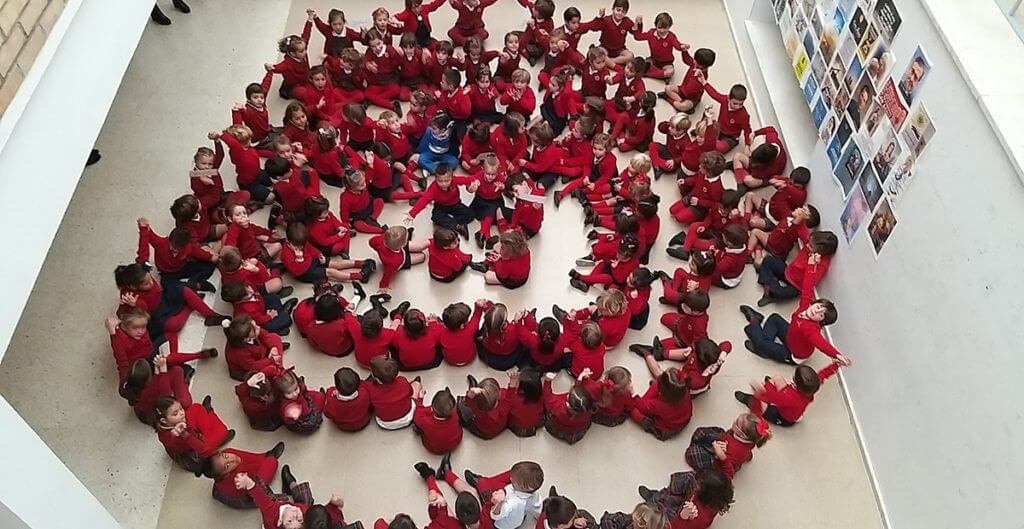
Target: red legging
{"x": 460, "y": 36}
{"x": 350, "y": 96}
{"x": 177, "y": 322}
{"x": 365, "y": 227}
{"x": 383, "y": 96}
{"x": 405, "y": 92}
{"x": 580, "y": 182}
{"x": 407, "y": 191}
{"x": 656, "y": 73}
{"x": 685, "y": 214}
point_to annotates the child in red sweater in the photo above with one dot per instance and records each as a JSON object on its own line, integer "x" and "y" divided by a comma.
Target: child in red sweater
{"x": 250, "y": 272}
{"x": 177, "y": 257}
{"x": 443, "y": 192}
{"x": 345, "y": 69}
{"x": 474, "y": 58}
{"x": 701, "y": 361}
{"x": 326, "y": 232}
{"x": 246, "y": 160}
{"x": 781, "y": 240}
{"x": 596, "y": 76}
{"x": 691, "y": 322}
{"x": 662, "y": 43}
{"x": 250, "y": 239}
{"x": 508, "y": 264}
{"x": 305, "y": 263}
{"x": 767, "y": 159}
{"x": 527, "y": 215}
{"x": 597, "y": 173}
{"x": 445, "y": 260}
{"x": 369, "y": 333}
{"x": 470, "y": 21}
{"x": 250, "y": 348}
{"x": 731, "y": 257}
{"x": 466, "y": 512}
{"x": 790, "y": 193}
{"x": 254, "y": 112}
{"x": 509, "y": 59}
{"x": 569, "y": 415}
{"x": 191, "y": 434}
{"x": 259, "y": 401}
{"x": 391, "y": 394}
{"x": 498, "y": 343}
{"x": 484, "y": 410}
{"x": 145, "y": 383}
{"x": 415, "y": 345}
{"x": 518, "y": 97}
{"x": 224, "y": 465}
{"x": 561, "y": 101}
{"x": 296, "y": 125}
{"x": 701, "y": 235}
{"x": 687, "y": 95}
{"x": 613, "y": 29}
{"x": 381, "y": 64}
{"x": 509, "y": 141}
{"x": 728, "y": 450}
{"x": 702, "y": 191}
{"x": 390, "y": 180}
{"x": 359, "y": 210}
{"x": 794, "y": 341}
{"x": 613, "y": 395}
{"x": 130, "y": 341}
{"x": 412, "y": 70}
{"x": 337, "y": 35}
{"x": 437, "y": 424}
{"x": 483, "y": 98}
{"x": 294, "y": 68}
{"x": 457, "y": 338}
{"x": 347, "y": 403}
{"x": 476, "y": 146}
{"x": 206, "y": 181}
{"x": 784, "y": 403}
{"x": 628, "y": 93}
{"x": 535, "y": 40}
{"x": 665, "y": 409}
{"x": 637, "y": 131}
{"x": 488, "y": 186}
{"x": 583, "y": 344}
{"x": 525, "y": 402}
{"x": 733, "y": 119}
{"x": 415, "y": 20}
{"x": 798, "y": 278}
{"x": 268, "y": 311}
{"x": 301, "y": 409}
{"x": 321, "y": 100}
{"x": 397, "y": 252}
{"x": 579, "y": 147}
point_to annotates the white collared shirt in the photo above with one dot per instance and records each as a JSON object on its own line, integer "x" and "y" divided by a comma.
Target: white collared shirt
{"x": 515, "y": 508}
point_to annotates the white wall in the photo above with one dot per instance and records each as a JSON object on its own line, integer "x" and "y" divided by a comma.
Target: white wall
{"x": 933, "y": 326}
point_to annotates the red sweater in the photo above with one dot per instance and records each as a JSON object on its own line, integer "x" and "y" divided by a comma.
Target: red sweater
{"x": 613, "y": 35}
{"x": 557, "y": 406}
{"x": 293, "y": 71}
{"x": 330, "y": 337}
{"x": 352, "y": 414}
{"x": 257, "y": 119}
{"x": 790, "y": 402}
{"x": 668, "y": 416}
{"x": 127, "y": 350}
{"x": 730, "y": 262}
{"x": 255, "y": 356}
{"x": 333, "y": 41}
{"x": 524, "y": 104}
{"x": 459, "y": 346}
{"x": 260, "y": 467}
{"x": 785, "y": 200}
{"x": 507, "y": 66}
{"x": 621, "y": 401}
{"x": 732, "y": 123}
{"x": 391, "y": 401}
{"x": 353, "y": 202}
{"x": 471, "y": 20}
{"x": 390, "y": 261}
{"x": 804, "y": 336}
{"x": 419, "y": 351}
{"x": 387, "y": 63}
{"x": 245, "y": 158}
{"x": 270, "y": 508}
{"x": 594, "y": 83}
{"x": 489, "y": 190}
{"x": 328, "y": 232}
{"x": 691, "y": 87}
{"x": 805, "y": 276}
{"x": 439, "y": 436}
{"x": 244, "y": 238}
{"x": 529, "y": 215}
{"x": 508, "y": 148}
{"x": 254, "y": 279}
{"x": 296, "y": 265}
{"x": 442, "y": 197}
{"x": 444, "y": 262}
{"x": 778, "y": 165}
{"x": 456, "y": 104}
{"x": 690, "y": 327}
{"x": 528, "y": 337}
{"x": 490, "y": 422}
{"x": 482, "y": 101}
{"x": 411, "y": 22}
{"x": 293, "y": 192}
{"x": 515, "y": 269}
{"x": 471, "y": 149}
{"x": 366, "y": 347}
{"x": 411, "y": 70}
{"x": 205, "y": 432}
{"x": 522, "y": 415}
{"x": 168, "y": 259}
{"x": 708, "y": 192}
{"x": 257, "y": 410}
{"x": 782, "y": 239}
{"x": 662, "y": 49}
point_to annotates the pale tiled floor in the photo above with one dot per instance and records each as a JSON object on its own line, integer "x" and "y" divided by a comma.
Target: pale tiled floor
{"x": 172, "y": 95}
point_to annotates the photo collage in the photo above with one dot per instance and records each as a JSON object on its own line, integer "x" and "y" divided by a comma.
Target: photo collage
{"x": 867, "y": 109}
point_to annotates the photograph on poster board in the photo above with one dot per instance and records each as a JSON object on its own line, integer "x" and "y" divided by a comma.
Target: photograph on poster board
{"x": 913, "y": 78}
{"x": 853, "y": 74}
{"x": 847, "y": 7}
{"x": 810, "y": 42}
{"x": 799, "y": 22}
{"x": 841, "y": 101}
{"x": 828, "y": 93}
{"x": 845, "y": 131}
{"x": 810, "y": 89}
{"x": 802, "y": 66}
{"x": 888, "y": 19}
{"x": 837, "y": 71}
{"x": 902, "y": 174}
{"x": 854, "y": 212}
{"x": 895, "y": 110}
{"x": 861, "y": 100}
{"x": 879, "y": 65}
{"x": 850, "y": 165}
{"x": 816, "y": 21}
{"x": 875, "y": 117}
{"x": 870, "y": 185}
{"x": 881, "y": 226}
{"x": 780, "y": 8}
{"x": 819, "y": 112}
{"x": 888, "y": 152}
{"x": 834, "y": 152}
{"x": 818, "y": 68}
{"x": 867, "y": 44}
{"x": 859, "y": 24}
{"x": 918, "y": 132}
{"x": 809, "y": 6}
{"x": 828, "y": 126}
{"x": 829, "y": 44}
{"x": 847, "y": 47}
{"x": 792, "y": 41}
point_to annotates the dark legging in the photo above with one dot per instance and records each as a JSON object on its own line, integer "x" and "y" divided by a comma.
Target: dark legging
{"x": 773, "y": 276}
{"x": 769, "y": 341}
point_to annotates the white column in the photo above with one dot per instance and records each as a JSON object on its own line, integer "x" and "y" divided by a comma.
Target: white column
{"x": 37, "y": 491}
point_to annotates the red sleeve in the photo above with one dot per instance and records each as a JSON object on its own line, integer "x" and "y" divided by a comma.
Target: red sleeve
{"x": 236, "y": 115}
{"x": 822, "y": 344}
{"x": 322, "y": 27}
{"x": 307, "y": 30}
{"x": 120, "y": 358}
{"x": 267, "y": 79}
{"x": 828, "y": 371}
{"x": 199, "y": 253}
{"x": 687, "y": 58}
{"x": 593, "y": 25}
{"x": 142, "y": 254}
{"x": 715, "y": 94}
{"x": 813, "y": 275}
{"x": 427, "y": 197}
{"x": 231, "y": 238}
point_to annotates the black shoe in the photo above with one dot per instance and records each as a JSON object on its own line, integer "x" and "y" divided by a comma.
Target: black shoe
{"x": 678, "y": 252}
{"x": 480, "y": 241}
{"x": 463, "y": 231}
{"x": 284, "y": 332}
{"x": 663, "y": 95}
{"x": 337, "y": 288}
{"x": 209, "y": 352}
{"x": 661, "y": 274}
{"x": 658, "y": 171}
{"x": 472, "y": 381}
{"x": 765, "y": 301}
{"x": 444, "y": 467}
{"x": 531, "y": 59}
{"x": 400, "y": 309}
{"x": 94, "y": 156}
{"x": 424, "y": 469}
{"x": 472, "y": 478}
{"x": 159, "y": 17}
{"x": 320, "y": 289}
{"x": 286, "y": 346}
{"x": 422, "y": 182}
{"x": 277, "y": 451}
{"x": 658, "y": 349}
{"x": 228, "y": 438}
{"x": 417, "y": 378}
{"x": 180, "y": 5}
{"x": 398, "y": 108}
{"x": 189, "y": 372}
{"x": 678, "y": 239}
{"x": 479, "y": 266}
{"x": 366, "y": 271}
{"x": 744, "y": 398}
{"x": 578, "y": 284}
{"x": 741, "y": 188}
{"x": 216, "y": 319}
{"x": 749, "y": 345}
{"x": 205, "y": 286}
{"x": 552, "y": 492}
{"x": 558, "y": 313}
{"x": 287, "y": 479}
{"x": 645, "y": 493}
{"x": 289, "y": 305}
{"x": 490, "y": 242}
{"x": 208, "y": 403}
{"x": 286, "y": 291}
{"x": 750, "y": 314}
{"x": 360, "y": 291}
{"x": 592, "y": 234}
{"x": 641, "y": 350}
{"x": 573, "y": 273}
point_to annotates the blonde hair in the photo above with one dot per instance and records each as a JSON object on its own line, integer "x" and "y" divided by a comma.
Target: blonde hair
{"x": 513, "y": 244}
{"x": 490, "y": 392}
{"x": 388, "y": 115}
{"x": 490, "y": 161}
{"x": 680, "y": 121}
{"x": 602, "y": 140}
{"x": 595, "y": 53}
{"x": 203, "y": 152}
{"x": 521, "y": 76}
{"x": 647, "y": 516}
{"x": 396, "y": 237}
{"x": 611, "y": 302}
{"x": 591, "y": 335}
{"x": 641, "y": 163}
{"x": 240, "y": 132}
{"x": 353, "y": 178}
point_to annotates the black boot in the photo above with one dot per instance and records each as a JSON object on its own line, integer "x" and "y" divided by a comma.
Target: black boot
{"x": 744, "y": 398}
{"x": 216, "y": 319}
{"x": 472, "y": 381}
{"x": 424, "y": 469}
{"x": 444, "y": 467}
{"x": 645, "y": 493}
{"x": 377, "y": 302}
{"x": 472, "y": 478}
{"x": 480, "y": 240}
{"x": 678, "y": 252}
{"x": 678, "y": 239}
{"x": 277, "y": 451}
{"x": 641, "y": 350}
{"x": 158, "y": 16}
{"x": 208, "y": 403}
{"x": 360, "y": 291}
{"x": 180, "y": 5}
{"x": 578, "y": 284}
{"x": 750, "y": 314}
{"x": 286, "y": 291}
{"x": 558, "y": 312}
{"x": 369, "y": 266}
{"x": 400, "y": 309}
{"x": 287, "y": 479}
{"x": 657, "y": 349}
{"x": 463, "y": 231}
{"x": 289, "y": 306}
{"x": 479, "y": 266}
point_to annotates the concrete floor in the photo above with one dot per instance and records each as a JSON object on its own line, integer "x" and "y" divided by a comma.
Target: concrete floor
{"x": 174, "y": 92}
